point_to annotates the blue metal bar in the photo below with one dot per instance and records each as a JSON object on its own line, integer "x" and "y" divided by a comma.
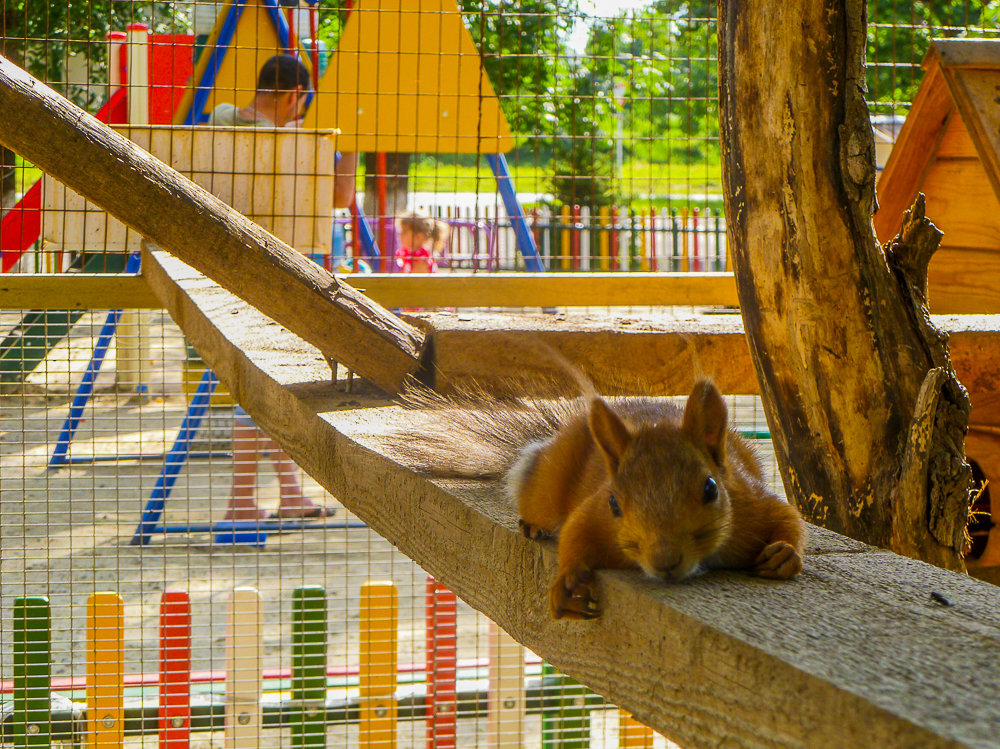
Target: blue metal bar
{"x": 84, "y": 390}
{"x": 244, "y": 526}
{"x": 196, "y": 115}
{"x": 280, "y": 24}
{"x": 86, "y": 386}
{"x": 175, "y": 459}
{"x": 505, "y": 186}
{"x": 88, "y": 460}
{"x": 368, "y": 238}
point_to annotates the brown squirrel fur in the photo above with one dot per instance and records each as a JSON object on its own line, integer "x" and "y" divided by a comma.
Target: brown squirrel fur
{"x": 625, "y": 482}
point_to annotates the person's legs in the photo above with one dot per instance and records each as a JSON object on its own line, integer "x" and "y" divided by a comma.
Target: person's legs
{"x": 294, "y": 502}
{"x": 246, "y": 449}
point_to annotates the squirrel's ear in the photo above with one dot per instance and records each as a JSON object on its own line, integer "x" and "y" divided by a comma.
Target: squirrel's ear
{"x": 706, "y": 420}
{"x": 610, "y": 433}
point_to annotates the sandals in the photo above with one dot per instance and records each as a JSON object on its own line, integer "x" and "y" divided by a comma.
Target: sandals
{"x": 313, "y": 513}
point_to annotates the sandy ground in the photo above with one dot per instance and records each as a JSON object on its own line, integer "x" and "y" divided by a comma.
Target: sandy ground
{"x": 65, "y": 534}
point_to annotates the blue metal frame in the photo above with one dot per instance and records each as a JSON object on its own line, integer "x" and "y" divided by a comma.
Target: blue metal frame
{"x": 196, "y": 115}
{"x": 250, "y": 532}
{"x": 86, "y": 387}
{"x": 175, "y": 459}
{"x": 525, "y": 239}
{"x": 367, "y": 238}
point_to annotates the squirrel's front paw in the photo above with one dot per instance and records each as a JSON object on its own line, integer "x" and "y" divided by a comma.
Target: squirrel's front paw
{"x": 779, "y": 561}
{"x": 533, "y": 531}
{"x": 572, "y": 596}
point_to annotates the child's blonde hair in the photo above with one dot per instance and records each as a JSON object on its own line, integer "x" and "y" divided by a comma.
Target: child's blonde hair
{"x": 435, "y": 231}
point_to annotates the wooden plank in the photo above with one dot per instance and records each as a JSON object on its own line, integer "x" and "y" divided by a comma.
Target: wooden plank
{"x": 623, "y": 354}
{"x": 110, "y": 291}
{"x": 966, "y": 53}
{"x": 505, "y": 708}
{"x": 379, "y": 622}
{"x": 172, "y": 212}
{"x": 548, "y": 289}
{"x": 914, "y": 151}
{"x": 281, "y": 179}
{"x": 632, "y": 734}
{"x": 963, "y": 281}
{"x": 175, "y": 670}
{"x": 30, "y": 724}
{"x": 309, "y": 628}
{"x": 244, "y": 680}
{"x": 441, "y": 665}
{"x": 948, "y": 186}
{"x": 105, "y": 670}
{"x": 76, "y": 291}
{"x": 855, "y": 652}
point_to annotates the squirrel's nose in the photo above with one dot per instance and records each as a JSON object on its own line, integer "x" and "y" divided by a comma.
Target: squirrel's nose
{"x": 668, "y": 568}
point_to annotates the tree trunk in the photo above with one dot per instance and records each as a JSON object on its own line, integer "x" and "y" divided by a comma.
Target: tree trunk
{"x": 867, "y": 416}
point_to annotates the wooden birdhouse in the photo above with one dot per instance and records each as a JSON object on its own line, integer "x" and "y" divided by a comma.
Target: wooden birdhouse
{"x": 949, "y": 149}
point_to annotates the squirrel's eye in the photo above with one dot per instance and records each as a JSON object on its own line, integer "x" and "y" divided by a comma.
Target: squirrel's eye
{"x": 616, "y": 509}
{"x": 711, "y": 492}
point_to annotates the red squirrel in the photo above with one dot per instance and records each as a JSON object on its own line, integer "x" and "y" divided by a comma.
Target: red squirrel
{"x": 623, "y": 483}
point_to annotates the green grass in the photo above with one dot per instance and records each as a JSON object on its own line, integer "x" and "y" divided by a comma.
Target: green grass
{"x": 659, "y": 185}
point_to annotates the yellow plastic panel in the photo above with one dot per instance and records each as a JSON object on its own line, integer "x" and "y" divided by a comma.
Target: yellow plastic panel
{"x": 407, "y": 76}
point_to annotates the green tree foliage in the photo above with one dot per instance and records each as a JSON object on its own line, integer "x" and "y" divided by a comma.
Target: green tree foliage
{"x": 899, "y": 35}
{"x": 523, "y": 52}
{"x": 41, "y": 35}
{"x": 665, "y": 55}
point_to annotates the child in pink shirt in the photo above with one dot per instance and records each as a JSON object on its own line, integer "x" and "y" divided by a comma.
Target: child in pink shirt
{"x": 421, "y": 240}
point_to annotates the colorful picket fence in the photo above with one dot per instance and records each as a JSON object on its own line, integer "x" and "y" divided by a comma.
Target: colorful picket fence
{"x": 571, "y": 238}
{"x": 305, "y": 699}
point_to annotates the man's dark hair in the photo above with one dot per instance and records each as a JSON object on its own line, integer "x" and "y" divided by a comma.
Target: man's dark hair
{"x": 283, "y": 73}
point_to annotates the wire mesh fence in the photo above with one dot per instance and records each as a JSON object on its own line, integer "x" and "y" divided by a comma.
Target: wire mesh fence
{"x": 542, "y": 135}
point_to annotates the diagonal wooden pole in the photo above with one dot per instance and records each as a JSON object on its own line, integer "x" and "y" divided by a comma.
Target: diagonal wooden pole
{"x": 174, "y": 213}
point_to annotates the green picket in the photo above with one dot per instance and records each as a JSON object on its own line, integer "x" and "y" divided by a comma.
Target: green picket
{"x": 32, "y": 656}
{"x": 565, "y": 715}
{"x": 309, "y": 627}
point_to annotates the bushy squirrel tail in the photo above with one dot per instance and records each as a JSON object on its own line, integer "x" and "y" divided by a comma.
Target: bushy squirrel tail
{"x": 471, "y": 433}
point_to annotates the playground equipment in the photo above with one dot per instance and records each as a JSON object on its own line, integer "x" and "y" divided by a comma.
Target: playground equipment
{"x": 390, "y": 90}
{"x": 245, "y": 699}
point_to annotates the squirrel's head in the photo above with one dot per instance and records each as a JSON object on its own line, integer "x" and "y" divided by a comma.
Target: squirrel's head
{"x": 667, "y": 495}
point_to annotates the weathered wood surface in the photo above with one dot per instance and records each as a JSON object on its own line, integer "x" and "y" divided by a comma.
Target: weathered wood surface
{"x": 548, "y": 289}
{"x": 866, "y": 413}
{"x": 281, "y": 179}
{"x": 172, "y": 212}
{"x": 856, "y": 652}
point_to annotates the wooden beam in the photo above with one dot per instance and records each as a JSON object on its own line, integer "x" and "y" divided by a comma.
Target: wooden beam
{"x": 174, "y": 213}
{"x": 76, "y": 291}
{"x": 649, "y": 354}
{"x": 864, "y": 649}
{"x": 548, "y": 289}
{"x": 635, "y": 354}
{"x": 966, "y": 53}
